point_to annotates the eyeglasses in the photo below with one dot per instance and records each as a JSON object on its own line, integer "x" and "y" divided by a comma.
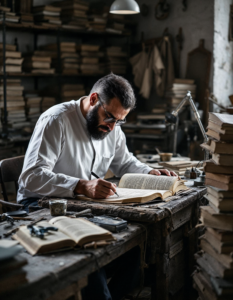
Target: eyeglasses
{"x": 110, "y": 119}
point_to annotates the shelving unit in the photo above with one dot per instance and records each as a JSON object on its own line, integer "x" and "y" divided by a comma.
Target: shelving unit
{"x": 37, "y": 30}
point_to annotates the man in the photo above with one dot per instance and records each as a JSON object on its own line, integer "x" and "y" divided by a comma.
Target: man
{"x": 74, "y": 138}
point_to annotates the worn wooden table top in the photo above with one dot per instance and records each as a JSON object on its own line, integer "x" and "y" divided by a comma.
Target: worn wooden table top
{"x": 150, "y": 213}
{"x": 47, "y": 274}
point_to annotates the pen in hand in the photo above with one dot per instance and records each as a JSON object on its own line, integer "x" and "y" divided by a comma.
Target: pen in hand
{"x": 96, "y": 176}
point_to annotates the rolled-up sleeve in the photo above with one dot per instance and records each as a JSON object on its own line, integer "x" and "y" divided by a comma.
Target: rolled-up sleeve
{"x": 42, "y": 154}
{"x": 124, "y": 161}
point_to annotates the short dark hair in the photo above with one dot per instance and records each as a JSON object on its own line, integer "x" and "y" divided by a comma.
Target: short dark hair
{"x": 111, "y": 86}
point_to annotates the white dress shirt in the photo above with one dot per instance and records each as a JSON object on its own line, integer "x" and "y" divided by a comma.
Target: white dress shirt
{"x": 61, "y": 152}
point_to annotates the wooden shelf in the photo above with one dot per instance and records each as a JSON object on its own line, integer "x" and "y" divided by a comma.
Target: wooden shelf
{"x": 49, "y": 75}
{"x": 33, "y": 28}
{"x": 145, "y": 136}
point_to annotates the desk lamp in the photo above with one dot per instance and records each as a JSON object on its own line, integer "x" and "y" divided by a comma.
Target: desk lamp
{"x": 171, "y": 118}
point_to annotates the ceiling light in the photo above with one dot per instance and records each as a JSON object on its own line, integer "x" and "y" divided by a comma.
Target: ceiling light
{"x": 124, "y": 7}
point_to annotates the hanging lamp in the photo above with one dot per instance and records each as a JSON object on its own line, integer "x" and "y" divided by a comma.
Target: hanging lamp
{"x": 124, "y": 7}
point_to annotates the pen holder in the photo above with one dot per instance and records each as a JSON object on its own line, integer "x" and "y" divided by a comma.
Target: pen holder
{"x": 58, "y": 207}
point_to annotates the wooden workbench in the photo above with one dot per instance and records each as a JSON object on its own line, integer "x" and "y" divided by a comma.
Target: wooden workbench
{"x": 61, "y": 275}
{"x": 171, "y": 239}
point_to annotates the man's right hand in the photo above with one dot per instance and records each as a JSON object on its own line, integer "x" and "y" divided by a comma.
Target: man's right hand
{"x": 97, "y": 188}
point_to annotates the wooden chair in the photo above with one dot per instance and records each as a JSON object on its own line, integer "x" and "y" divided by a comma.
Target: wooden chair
{"x": 10, "y": 170}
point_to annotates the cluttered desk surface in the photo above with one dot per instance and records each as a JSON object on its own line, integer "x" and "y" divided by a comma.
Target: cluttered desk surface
{"x": 46, "y": 276}
{"x": 148, "y": 212}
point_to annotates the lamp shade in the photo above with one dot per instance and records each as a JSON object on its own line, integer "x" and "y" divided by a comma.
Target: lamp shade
{"x": 124, "y": 7}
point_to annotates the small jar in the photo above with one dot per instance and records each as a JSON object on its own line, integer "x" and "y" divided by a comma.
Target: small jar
{"x": 58, "y": 207}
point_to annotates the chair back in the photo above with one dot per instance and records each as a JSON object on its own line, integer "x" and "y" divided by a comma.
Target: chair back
{"x": 10, "y": 170}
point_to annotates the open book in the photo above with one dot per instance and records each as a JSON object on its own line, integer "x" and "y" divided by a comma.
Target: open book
{"x": 71, "y": 232}
{"x": 141, "y": 188}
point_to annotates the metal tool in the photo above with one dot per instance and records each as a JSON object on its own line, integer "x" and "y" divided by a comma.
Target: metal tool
{"x": 39, "y": 231}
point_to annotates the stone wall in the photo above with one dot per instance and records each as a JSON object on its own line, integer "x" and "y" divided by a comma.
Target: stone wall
{"x": 223, "y": 53}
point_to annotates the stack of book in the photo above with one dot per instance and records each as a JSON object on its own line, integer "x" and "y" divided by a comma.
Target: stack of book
{"x": 47, "y": 15}
{"x": 215, "y": 277}
{"x": 91, "y": 59}
{"x": 15, "y": 103}
{"x": 73, "y": 14}
{"x": 179, "y": 167}
{"x": 179, "y": 90}
{"x": 9, "y": 16}
{"x": 118, "y": 24}
{"x": 47, "y": 102}
{"x": 26, "y": 19}
{"x": 33, "y": 105}
{"x": 69, "y": 57}
{"x": 117, "y": 60}
{"x": 38, "y": 63}
{"x": 97, "y": 20}
{"x": 72, "y": 92}
{"x": 13, "y": 59}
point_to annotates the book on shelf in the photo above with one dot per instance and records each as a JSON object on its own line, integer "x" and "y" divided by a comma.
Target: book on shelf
{"x": 217, "y": 128}
{"x": 10, "y": 92}
{"x": 71, "y": 233}
{"x": 222, "y": 159}
{"x": 222, "y": 221}
{"x": 12, "y": 103}
{"x": 12, "y": 61}
{"x": 219, "y": 193}
{"x": 10, "y": 17}
{"x": 32, "y": 64}
{"x": 214, "y": 237}
{"x": 48, "y": 8}
{"x": 208, "y": 263}
{"x": 224, "y": 121}
{"x": 86, "y": 47}
{"x": 141, "y": 188}
{"x": 151, "y": 117}
{"x": 64, "y": 47}
{"x": 47, "y": 59}
{"x": 5, "y": 9}
{"x": 11, "y": 98}
{"x": 8, "y": 47}
{"x": 12, "y": 68}
{"x": 220, "y": 204}
{"x": 11, "y": 54}
{"x": 215, "y": 146}
{"x": 220, "y": 136}
{"x": 225, "y": 259}
{"x": 227, "y": 179}
{"x": 184, "y": 81}
{"x": 43, "y": 71}
{"x": 220, "y": 185}
{"x": 73, "y": 4}
{"x": 211, "y": 287}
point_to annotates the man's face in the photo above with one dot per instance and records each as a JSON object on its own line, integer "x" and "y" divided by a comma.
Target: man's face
{"x": 96, "y": 125}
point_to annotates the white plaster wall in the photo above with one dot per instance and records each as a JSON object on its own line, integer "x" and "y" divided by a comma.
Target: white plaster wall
{"x": 223, "y": 53}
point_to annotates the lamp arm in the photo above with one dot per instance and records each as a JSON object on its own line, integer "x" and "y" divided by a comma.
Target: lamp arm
{"x": 178, "y": 108}
{"x": 197, "y": 116}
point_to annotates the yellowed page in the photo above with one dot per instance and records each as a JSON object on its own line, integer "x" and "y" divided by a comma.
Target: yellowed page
{"x": 128, "y": 195}
{"x": 147, "y": 181}
{"x": 79, "y": 228}
{"x": 35, "y": 245}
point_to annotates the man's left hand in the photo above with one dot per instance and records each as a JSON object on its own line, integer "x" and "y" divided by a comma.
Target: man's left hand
{"x": 162, "y": 172}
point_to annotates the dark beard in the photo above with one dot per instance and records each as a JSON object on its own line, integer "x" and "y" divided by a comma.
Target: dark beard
{"x": 93, "y": 126}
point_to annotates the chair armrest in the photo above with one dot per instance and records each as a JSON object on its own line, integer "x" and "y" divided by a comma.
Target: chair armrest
{"x": 8, "y": 206}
